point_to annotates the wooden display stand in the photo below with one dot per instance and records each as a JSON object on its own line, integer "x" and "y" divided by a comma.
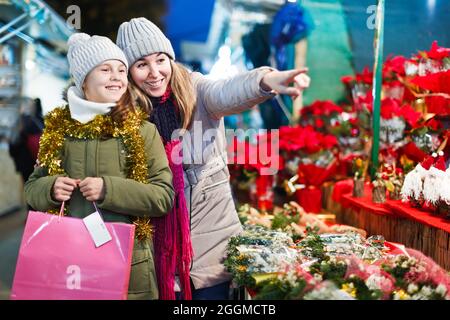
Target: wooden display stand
{"x": 396, "y": 222}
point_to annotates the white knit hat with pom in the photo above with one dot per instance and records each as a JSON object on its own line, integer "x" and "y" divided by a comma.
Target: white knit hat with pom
{"x": 86, "y": 52}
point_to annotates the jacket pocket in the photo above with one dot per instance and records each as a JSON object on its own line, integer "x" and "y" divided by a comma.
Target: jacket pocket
{"x": 143, "y": 283}
{"x": 215, "y": 185}
{"x": 216, "y": 181}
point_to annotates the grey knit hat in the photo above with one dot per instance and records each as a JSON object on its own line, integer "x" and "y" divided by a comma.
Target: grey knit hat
{"x": 86, "y": 52}
{"x": 140, "y": 37}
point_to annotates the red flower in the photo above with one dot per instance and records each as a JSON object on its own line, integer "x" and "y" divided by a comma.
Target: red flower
{"x": 291, "y": 138}
{"x": 410, "y": 116}
{"x": 329, "y": 107}
{"x": 434, "y": 124}
{"x": 254, "y": 157}
{"x": 319, "y": 123}
{"x": 389, "y": 108}
{"x": 435, "y": 82}
{"x": 347, "y": 79}
{"x": 329, "y": 141}
{"x": 436, "y": 52}
{"x": 366, "y": 76}
{"x": 353, "y": 121}
{"x": 438, "y": 104}
{"x": 354, "y": 132}
{"x": 395, "y": 65}
{"x": 321, "y": 108}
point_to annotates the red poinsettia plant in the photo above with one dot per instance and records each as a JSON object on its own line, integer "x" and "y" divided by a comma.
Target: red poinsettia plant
{"x": 430, "y": 78}
{"x": 262, "y": 158}
{"x": 423, "y": 139}
{"x": 436, "y": 52}
{"x": 391, "y": 108}
{"x": 320, "y": 114}
{"x": 304, "y": 141}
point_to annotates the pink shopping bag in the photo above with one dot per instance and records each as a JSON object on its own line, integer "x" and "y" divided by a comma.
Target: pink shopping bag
{"x": 58, "y": 260}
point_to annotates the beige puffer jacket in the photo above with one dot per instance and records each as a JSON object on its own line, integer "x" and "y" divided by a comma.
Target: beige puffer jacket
{"x": 213, "y": 215}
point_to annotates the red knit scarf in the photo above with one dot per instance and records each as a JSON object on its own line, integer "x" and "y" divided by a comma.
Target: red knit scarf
{"x": 172, "y": 241}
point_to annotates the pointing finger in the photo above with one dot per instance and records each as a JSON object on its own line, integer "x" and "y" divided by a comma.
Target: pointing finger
{"x": 296, "y": 72}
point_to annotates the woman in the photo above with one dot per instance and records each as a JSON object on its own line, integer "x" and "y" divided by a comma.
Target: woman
{"x": 183, "y": 100}
{"x": 89, "y": 155}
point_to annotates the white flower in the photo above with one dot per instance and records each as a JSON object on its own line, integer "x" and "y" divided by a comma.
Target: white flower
{"x": 426, "y": 291}
{"x": 441, "y": 290}
{"x": 412, "y": 288}
{"x": 374, "y": 282}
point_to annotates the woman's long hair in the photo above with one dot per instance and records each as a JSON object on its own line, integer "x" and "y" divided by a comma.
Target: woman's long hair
{"x": 182, "y": 89}
{"x": 127, "y": 103}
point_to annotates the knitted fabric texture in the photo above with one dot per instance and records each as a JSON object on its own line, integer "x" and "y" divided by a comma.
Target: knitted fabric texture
{"x": 172, "y": 242}
{"x": 86, "y": 52}
{"x": 140, "y": 37}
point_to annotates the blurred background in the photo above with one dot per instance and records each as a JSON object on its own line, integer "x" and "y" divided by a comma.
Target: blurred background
{"x": 333, "y": 38}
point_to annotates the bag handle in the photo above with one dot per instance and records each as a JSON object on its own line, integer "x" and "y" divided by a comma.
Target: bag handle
{"x": 96, "y": 208}
{"x": 61, "y": 211}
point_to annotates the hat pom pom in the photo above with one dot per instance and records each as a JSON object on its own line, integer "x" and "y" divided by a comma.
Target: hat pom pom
{"x": 78, "y": 38}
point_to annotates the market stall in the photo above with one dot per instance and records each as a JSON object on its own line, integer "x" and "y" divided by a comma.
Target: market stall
{"x": 377, "y": 163}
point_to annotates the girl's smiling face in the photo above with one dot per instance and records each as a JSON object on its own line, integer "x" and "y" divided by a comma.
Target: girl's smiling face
{"x": 107, "y": 82}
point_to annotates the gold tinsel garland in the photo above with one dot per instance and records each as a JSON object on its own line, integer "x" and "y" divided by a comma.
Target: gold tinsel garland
{"x": 59, "y": 125}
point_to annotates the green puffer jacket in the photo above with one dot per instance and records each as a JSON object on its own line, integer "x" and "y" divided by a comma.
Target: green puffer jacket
{"x": 124, "y": 198}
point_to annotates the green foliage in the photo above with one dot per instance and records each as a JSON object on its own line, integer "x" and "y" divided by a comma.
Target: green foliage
{"x": 362, "y": 291}
{"x": 313, "y": 246}
{"x": 398, "y": 272}
{"x": 281, "y": 220}
{"x": 334, "y": 271}
{"x": 276, "y": 289}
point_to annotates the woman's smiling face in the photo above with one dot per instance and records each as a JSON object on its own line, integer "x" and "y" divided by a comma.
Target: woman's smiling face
{"x": 152, "y": 74}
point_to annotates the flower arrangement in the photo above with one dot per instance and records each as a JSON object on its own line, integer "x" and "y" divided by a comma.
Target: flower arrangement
{"x": 291, "y": 219}
{"x": 427, "y": 77}
{"x": 417, "y": 277}
{"x": 422, "y": 139}
{"x": 348, "y": 133}
{"x": 312, "y": 157}
{"x": 258, "y": 250}
{"x": 394, "y": 119}
{"x": 332, "y": 267}
{"x": 252, "y": 168}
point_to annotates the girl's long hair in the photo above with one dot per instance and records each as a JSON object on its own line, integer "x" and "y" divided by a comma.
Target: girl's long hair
{"x": 182, "y": 90}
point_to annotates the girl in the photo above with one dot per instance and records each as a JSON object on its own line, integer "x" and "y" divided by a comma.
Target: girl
{"x": 179, "y": 99}
{"x": 91, "y": 156}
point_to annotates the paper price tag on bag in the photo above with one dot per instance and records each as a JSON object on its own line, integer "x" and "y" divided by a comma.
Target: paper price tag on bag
{"x": 97, "y": 229}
